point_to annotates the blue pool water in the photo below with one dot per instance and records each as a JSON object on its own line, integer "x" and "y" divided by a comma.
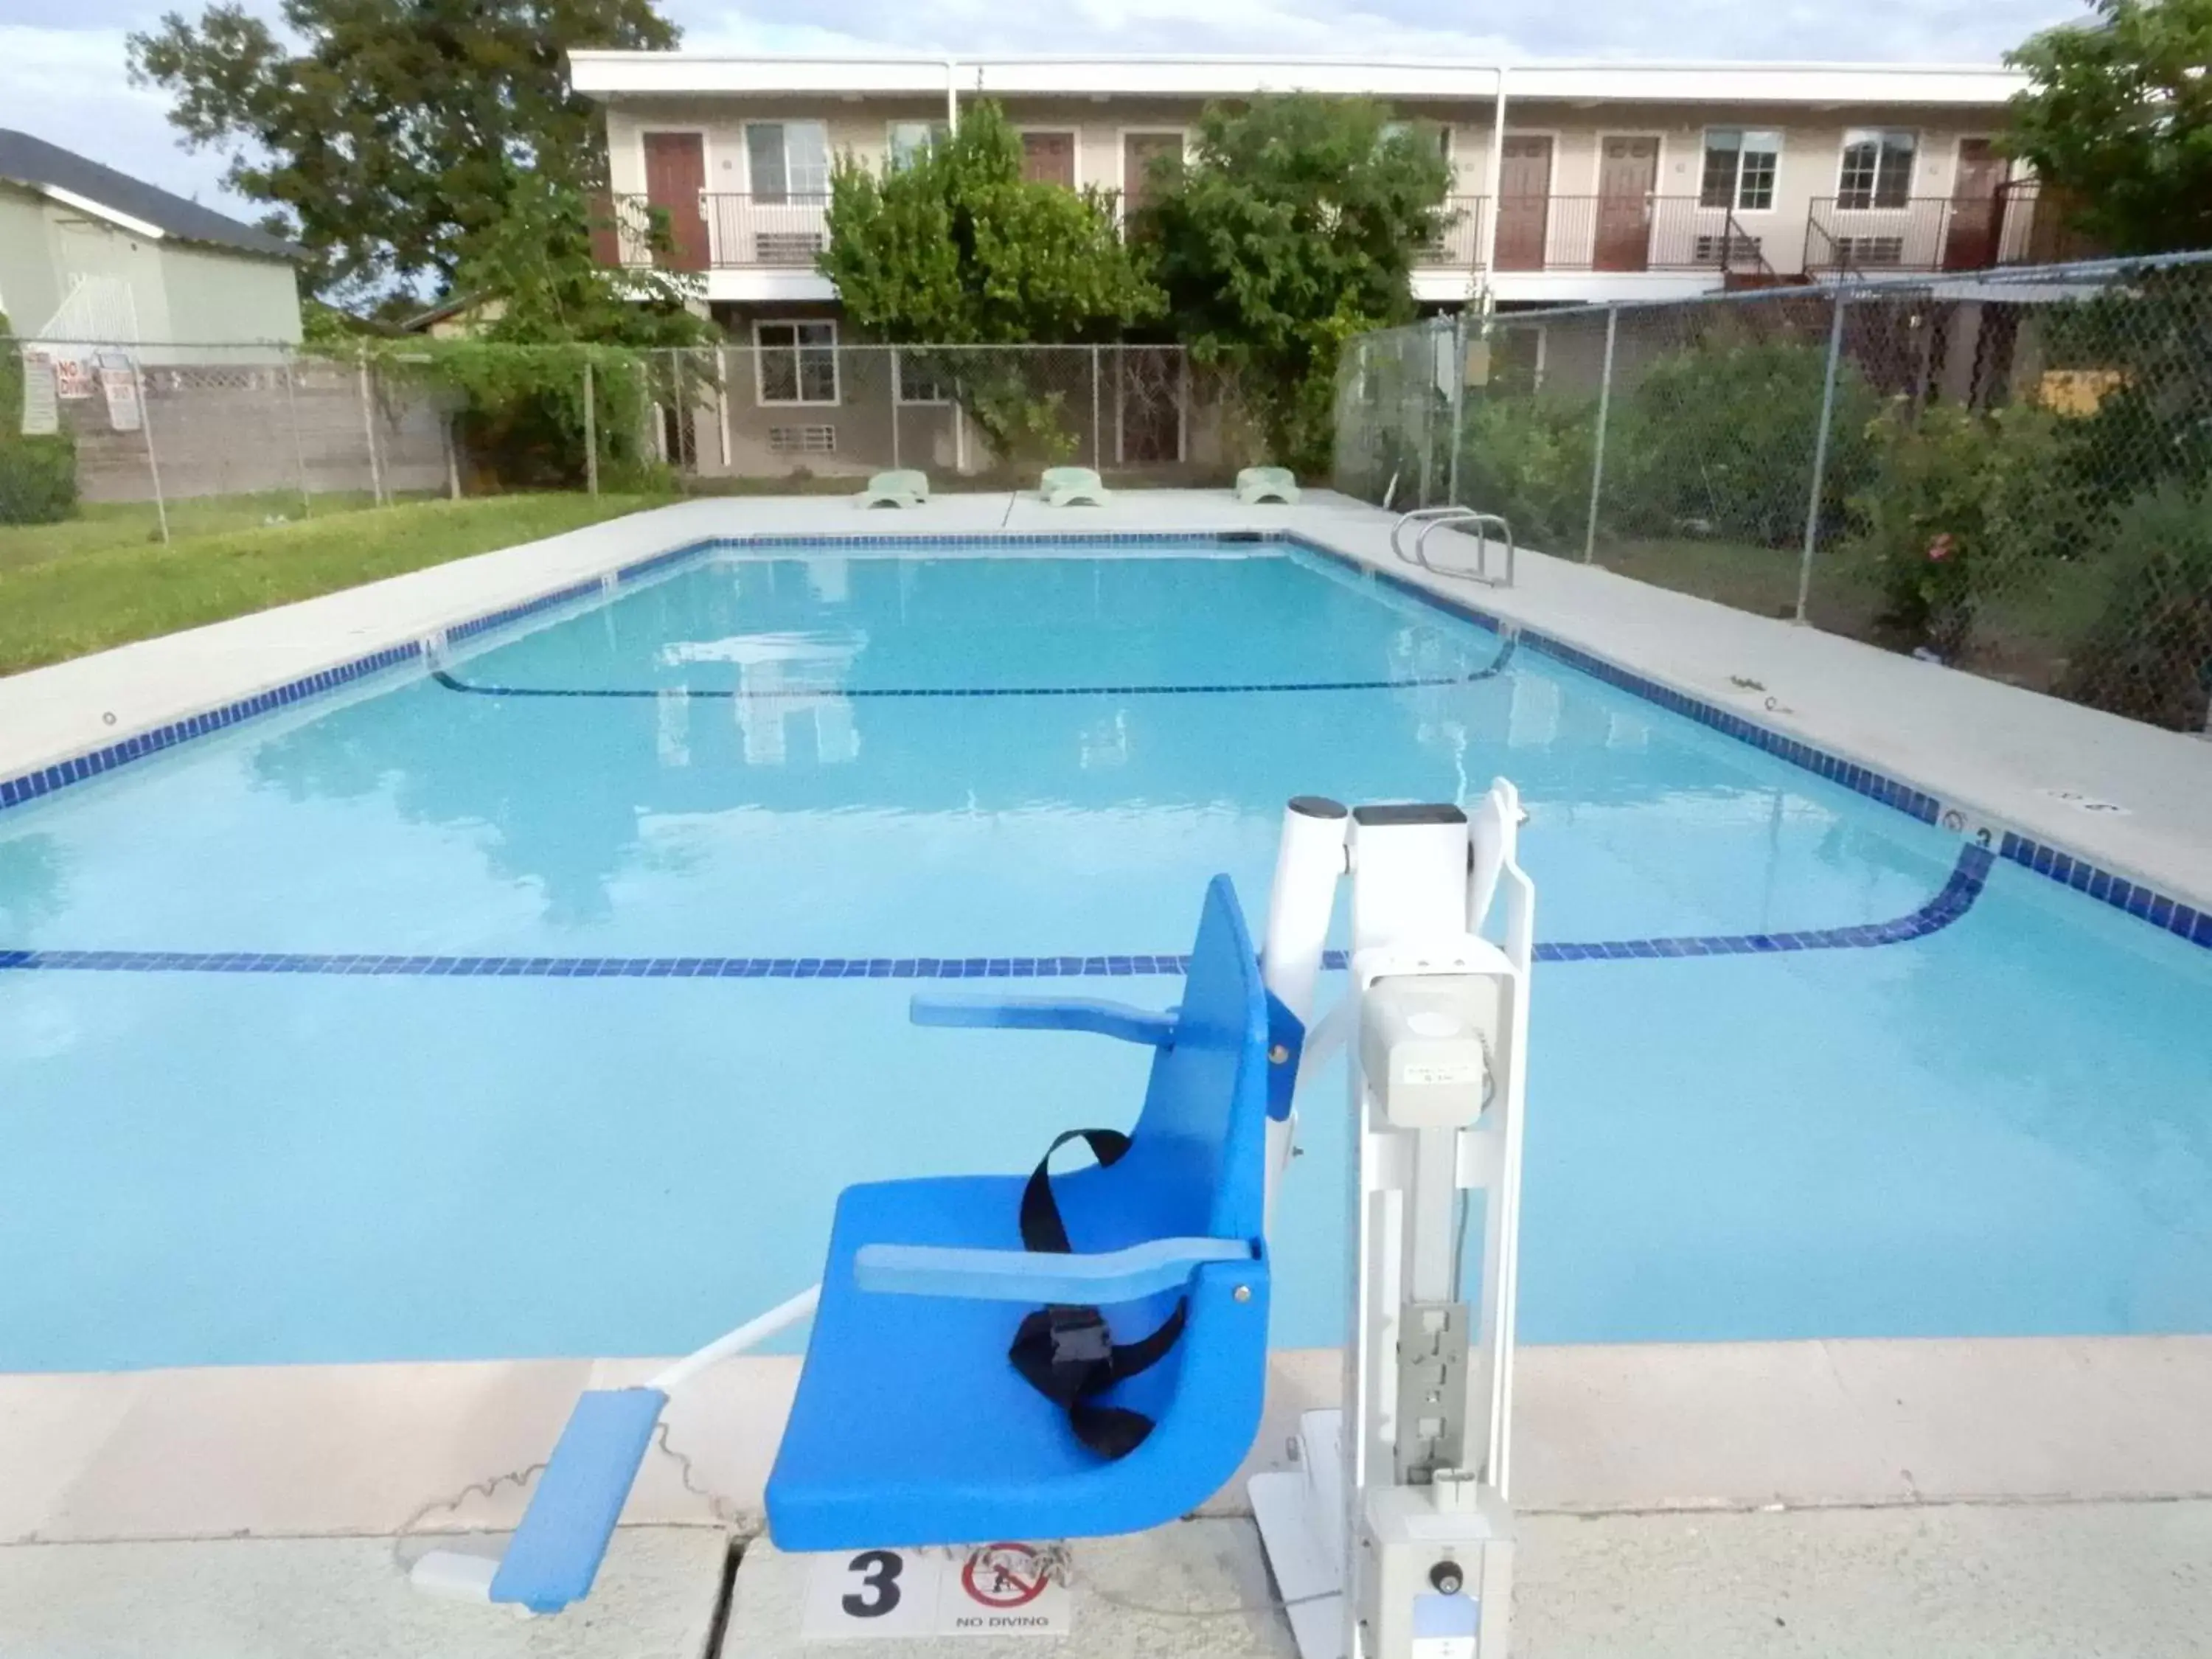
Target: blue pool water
{"x": 2002, "y": 1125}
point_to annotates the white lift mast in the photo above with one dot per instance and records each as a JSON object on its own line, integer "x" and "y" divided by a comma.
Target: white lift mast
{"x": 1393, "y": 1537}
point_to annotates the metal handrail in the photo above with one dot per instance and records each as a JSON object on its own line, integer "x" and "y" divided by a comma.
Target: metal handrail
{"x": 1421, "y": 515}
{"x": 1434, "y": 518}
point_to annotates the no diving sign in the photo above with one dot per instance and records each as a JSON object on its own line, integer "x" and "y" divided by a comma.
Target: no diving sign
{"x": 998, "y": 1590}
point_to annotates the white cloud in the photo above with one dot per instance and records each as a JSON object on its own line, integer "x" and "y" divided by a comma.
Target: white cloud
{"x": 72, "y": 88}
{"x": 1795, "y": 30}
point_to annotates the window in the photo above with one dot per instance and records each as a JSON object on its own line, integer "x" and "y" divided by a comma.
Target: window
{"x": 919, "y": 381}
{"x": 911, "y": 140}
{"x": 1739, "y": 166}
{"x": 1439, "y": 135}
{"x": 797, "y": 362}
{"x": 1877, "y": 169}
{"x": 788, "y": 160}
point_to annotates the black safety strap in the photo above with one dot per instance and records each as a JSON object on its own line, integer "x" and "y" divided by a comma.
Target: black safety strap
{"x": 1067, "y": 1353}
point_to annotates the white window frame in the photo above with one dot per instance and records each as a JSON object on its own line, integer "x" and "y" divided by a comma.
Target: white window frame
{"x": 938, "y": 133}
{"x": 1074, "y": 135}
{"x": 1873, "y": 203}
{"x": 1735, "y": 190}
{"x": 898, "y": 386}
{"x": 761, "y": 349}
{"x": 791, "y": 197}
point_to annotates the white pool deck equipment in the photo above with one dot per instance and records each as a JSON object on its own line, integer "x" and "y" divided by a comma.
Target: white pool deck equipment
{"x": 2013, "y": 1495}
{"x": 1393, "y": 1538}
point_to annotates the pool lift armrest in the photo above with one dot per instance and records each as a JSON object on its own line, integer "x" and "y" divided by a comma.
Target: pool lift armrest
{"x": 1094, "y": 1278}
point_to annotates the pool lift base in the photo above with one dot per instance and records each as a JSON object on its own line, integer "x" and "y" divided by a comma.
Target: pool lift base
{"x": 1392, "y": 1538}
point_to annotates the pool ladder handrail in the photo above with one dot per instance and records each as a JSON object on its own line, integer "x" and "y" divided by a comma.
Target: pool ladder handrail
{"x": 1434, "y": 518}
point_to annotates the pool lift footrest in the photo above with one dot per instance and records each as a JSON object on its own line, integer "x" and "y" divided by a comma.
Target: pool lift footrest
{"x": 555, "y": 1555}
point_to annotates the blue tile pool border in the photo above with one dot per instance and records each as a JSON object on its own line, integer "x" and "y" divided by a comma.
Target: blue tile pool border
{"x": 80, "y": 768}
{"x": 2162, "y": 910}
{"x": 1967, "y": 879}
{"x": 2147, "y": 904}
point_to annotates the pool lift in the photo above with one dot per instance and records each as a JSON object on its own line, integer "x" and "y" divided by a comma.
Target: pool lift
{"x": 1392, "y": 1537}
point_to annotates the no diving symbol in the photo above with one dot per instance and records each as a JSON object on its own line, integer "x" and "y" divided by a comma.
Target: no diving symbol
{"x": 1002, "y": 1577}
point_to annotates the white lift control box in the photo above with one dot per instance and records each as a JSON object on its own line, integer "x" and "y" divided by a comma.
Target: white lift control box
{"x": 1425, "y": 1045}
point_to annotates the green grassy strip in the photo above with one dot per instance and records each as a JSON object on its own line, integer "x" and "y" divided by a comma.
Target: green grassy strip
{"x": 97, "y": 581}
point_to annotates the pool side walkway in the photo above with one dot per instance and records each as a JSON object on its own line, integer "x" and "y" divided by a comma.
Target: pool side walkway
{"x": 1962, "y": 1496}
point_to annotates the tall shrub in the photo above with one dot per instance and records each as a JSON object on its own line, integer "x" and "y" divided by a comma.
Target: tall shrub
{"x": 38, "y": 476}
{"x": 958, "y": 247}
{"x": 1528, "y": 456}
{"x": 1292, "y": 227}
{"x": 1717, "y": 440}
{"x": 2149, "y": 654}
{"x": 1954, "y": 502}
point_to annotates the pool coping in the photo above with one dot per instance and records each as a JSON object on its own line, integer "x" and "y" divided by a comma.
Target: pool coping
{"x": 584, "y": 567}
{"x": 313, "y": 1450}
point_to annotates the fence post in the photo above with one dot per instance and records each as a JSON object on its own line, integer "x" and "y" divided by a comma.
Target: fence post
{"x": 146, "y": 431}
{"x": 1604, "y": 412}
{"x": 1427, "y": 383}
{"x": 369, "y": 431}
{"x": 591, "y": 434}
{"x": 682, "y": 420}
{"x": 1458, "y": 404}
{"x": 1820, "y": 454}
{"x": 299, "y": 450}
{"x": 1097, "y": 431}
{"x": 897, "y": 365}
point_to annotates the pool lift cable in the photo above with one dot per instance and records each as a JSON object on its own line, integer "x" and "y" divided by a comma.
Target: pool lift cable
{"x": 1392, "y": 1538}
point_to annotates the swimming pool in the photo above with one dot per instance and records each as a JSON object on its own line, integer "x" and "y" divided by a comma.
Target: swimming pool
{"x": 541, "y": 1006}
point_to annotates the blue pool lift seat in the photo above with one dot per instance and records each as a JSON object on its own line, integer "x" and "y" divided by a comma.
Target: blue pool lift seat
{"x": 913, "y": 1427}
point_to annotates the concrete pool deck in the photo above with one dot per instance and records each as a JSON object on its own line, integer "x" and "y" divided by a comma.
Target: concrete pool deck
{"x": 1683, "y": 1451}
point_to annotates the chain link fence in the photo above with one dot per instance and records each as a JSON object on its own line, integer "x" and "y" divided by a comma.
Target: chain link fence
{"x": 178, "y": 433}
{"x": 2009, "y": 472}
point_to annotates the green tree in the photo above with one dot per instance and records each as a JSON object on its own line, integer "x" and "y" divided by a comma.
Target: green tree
{"x": 1292, "y": 227}
{"x": 532, "y": 266}
{"x": 2117, "y": 119}
{"x": 957, "y": 248}
{"x": 388, "y": 136}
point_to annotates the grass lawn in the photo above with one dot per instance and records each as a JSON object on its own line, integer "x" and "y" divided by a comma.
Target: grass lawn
{"x": 105, "y": 578}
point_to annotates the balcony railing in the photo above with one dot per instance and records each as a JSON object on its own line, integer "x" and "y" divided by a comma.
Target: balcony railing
{"x": 1603, "y": 233}
{"x": 721, "y": 231}
{"x": 1458, "y": 246}
{"x": 726, "y": 231}
{"x": 2017, "y": 225}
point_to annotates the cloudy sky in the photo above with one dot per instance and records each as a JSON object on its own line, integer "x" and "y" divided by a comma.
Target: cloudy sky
{"x": 62, "y": 72}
